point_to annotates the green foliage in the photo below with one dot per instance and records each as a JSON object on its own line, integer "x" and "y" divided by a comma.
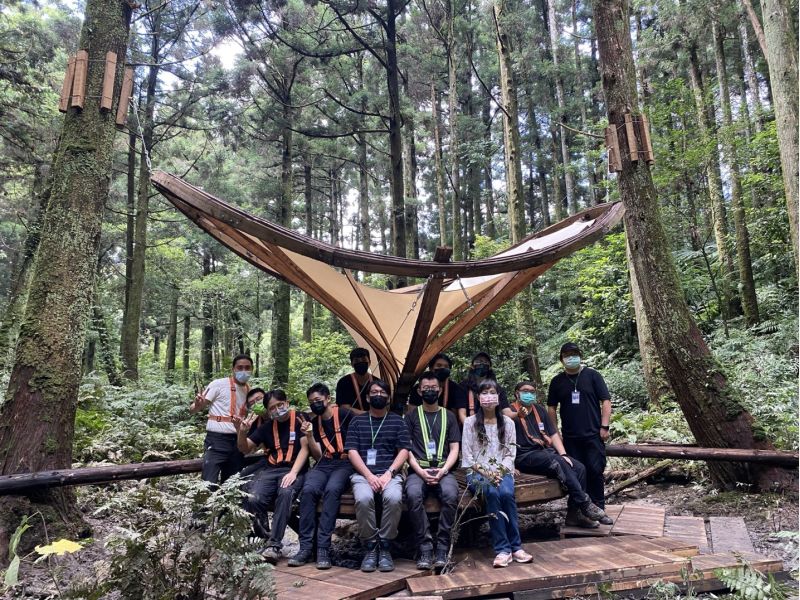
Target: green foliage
{"x": 323, "y": 359}
{"x": 665, "y": 425}
{"x": 746, "y": 583}
{"x": 11, "y": 574}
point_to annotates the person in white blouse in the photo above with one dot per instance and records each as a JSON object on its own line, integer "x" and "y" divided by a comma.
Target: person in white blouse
{"x": 488, "y": 449}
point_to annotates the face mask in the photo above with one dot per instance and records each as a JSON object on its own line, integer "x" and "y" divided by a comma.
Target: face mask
{"x": 259, "y": 409}
{"x": 430, "y": 396}
{"x": 318, "y": 407}
{"x": 572, "y": 362}
{"x": 361, "y": 368}
{"x": 378, "y": 402}
{"x": 279, "y": 413}
{"x": 480, "y": 370}
{"x": 442, "y": 374}
{"x": 489, "y": 400}
{"x": 527, "y": 398}
{"x": 241, "y": 376}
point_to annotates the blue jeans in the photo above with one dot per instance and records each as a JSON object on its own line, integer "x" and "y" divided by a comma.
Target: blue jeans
{"x": 505, "y": 530}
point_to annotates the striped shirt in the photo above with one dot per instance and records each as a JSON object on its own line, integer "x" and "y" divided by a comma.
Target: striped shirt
{"x": 390, "y": 436}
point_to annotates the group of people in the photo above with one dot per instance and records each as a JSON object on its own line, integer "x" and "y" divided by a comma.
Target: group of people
{"x": 358, "y": 441}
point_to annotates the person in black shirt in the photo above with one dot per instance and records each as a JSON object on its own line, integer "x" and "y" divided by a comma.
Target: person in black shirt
{"x": 585, "y": 407}
{"x": 453, "y": 397}
{"x": 540, "y": 451}
{"x": 351, "y": 390}
{"x": 281, "y": 480}
{"x": 377, "y": 444}
{"x": 435, "y": 437}
{"x": 481, "y": 369}
{"x": 329, "y": 477}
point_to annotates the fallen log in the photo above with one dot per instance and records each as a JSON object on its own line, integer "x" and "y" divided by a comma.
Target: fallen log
{"x": 656, "y": 468}
{"x": 773, "y": 457}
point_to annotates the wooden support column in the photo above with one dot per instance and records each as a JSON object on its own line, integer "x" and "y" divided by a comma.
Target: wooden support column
{"x": 79, "y": 79}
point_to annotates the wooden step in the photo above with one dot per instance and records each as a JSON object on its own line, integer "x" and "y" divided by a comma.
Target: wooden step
{"x": 729, "y": 534}
{"x": 688, "y": 529}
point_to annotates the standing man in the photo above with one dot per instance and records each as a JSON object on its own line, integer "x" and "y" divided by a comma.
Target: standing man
{"x": 351, "y": 390}
{"x": 377, "y": 444}
{"x": 435, "y": 437}
{"x": 286, "y": 449}
{"x": 451, "y": 396}
{"x": 585, "y": 407}
{"x": 480, "y": 369}
{"x": 330, "y": 476}
{"x": 540, "y": 451}
{"x": 225, "y": 398}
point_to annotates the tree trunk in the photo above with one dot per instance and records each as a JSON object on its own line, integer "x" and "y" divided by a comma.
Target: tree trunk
{"x": 395, "y": 135}
{"x": 37, "y": 420}
{"x": 743, "y": 260}
{"x": 781, "y": 53}
{"x": 439, "y": 163}
{"x": 452, "y": 119}
{"x": 713, "y": 410}
{"x": 410, "y": 187}
{"x": 558, "y": 199}
{"x": 363, "y": 172}
{"x": 187, "y": 332}
{"x": 750, "y": 77}
{"x": 172, "y": 337}
{"x": 308, "y": 302}
{"x": 106, "y": 354}
{"x": 756, "y": 25}
{"x": 130, "y": 223}
{"x": 207, "y": 337}
{"x": 488, "y": 190}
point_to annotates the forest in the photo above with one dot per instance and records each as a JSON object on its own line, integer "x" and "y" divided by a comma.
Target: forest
{"x": 392, "y": 127}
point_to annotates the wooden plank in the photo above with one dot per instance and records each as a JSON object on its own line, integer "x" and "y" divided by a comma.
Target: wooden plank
{"x": 107, "y": 97}
{"x": 729, "y": 534}
{"x": 640, "y": 519}
{"x": 630, "y": 133}
{"x": 612, "y": 147}
{"x": 688, "y": 529}
{"x": 66, "y": 87}
{"x": 644, "y": 126}
{"x": 79, "y": 79}
{"x": 124, "y": 97}
{"x": 612, "y": 510}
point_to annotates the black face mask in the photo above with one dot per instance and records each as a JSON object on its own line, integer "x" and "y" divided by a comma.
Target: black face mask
{"x": 378, "y": 402}
{"x": 361, "y": 368}
{"x": 480, "y": 370}
{"x": 317, "y": 407}
{"x": 442, "y": 374}
{"x": 430, "y": 396}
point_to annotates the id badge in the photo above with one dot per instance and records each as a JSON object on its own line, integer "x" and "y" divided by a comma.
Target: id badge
{"x": 576, "y": 397}
{"x": 541, "y": 426}
{"x": 292, "y": 436}
{"x": 372, "y": 457}
{"x": 431, "y": 449}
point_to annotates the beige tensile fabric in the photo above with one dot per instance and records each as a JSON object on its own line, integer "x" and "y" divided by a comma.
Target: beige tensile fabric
{"x": 381, "y": 320}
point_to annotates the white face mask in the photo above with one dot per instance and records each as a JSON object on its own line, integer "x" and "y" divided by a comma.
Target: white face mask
{"x": 572, "y": 362}
{"x": 241, "y": 376}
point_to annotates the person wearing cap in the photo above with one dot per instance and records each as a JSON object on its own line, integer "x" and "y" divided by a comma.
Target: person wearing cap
{"x": 435, "y": 438}
{"x": 225, "y": 399}
{"x": 452, "y": 396}
{"x": 584, "y": 404}
{"x": 351, "y": 390}
{"x": 540, "y": 451}
{"x": 480, "y": 370}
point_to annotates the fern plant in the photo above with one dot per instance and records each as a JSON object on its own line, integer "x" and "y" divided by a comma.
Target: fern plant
{"x": 747, "y": 583}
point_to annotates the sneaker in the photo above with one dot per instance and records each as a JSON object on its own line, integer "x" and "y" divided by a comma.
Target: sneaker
{"x": 502, "y": 560}
{"x": 302, "y": 557}
{"x": 272, "y": 554}
{"x": 424, "y": 562}
{"x": 521, "y": 556}
{"x": 323, "y": 559}
{"x": 606, "y": 520}
{"x": 591, "y": 511}
{"x": 576, "y": 518}
{"x": 441, "y": 558}
{"x": 385, "y": 562}
{"x": 370, "y": 561}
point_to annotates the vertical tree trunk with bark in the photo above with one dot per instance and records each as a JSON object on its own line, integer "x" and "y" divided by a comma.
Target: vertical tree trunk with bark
{"x": 713, "y": 410}
{"x": 488, "y": 190}
{"x": 187, "y": 332}
{"x": 558, "y": 198}
{"x": 308, "y": 302}
{"x": 410, "y": 186}
{"x": 172, "y": 337}
{"x": 750, "y": 76}
{"x": 38, "y": 417}
{"x": 439, "y": 163}
{"x": 395, "y": 134}
{"x": 207, "y": 336}
{"x": 452, "y": 119}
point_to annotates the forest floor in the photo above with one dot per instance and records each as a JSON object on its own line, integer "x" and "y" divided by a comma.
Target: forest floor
{"x": 765, "y": 515}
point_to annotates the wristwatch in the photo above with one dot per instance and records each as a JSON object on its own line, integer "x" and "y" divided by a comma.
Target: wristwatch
{"x": 606, "y": 427}
{"x": 392, "y": 471}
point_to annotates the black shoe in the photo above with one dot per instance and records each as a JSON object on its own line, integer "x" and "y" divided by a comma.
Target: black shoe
{"x": 606, "y": 520}
{"x": 301, "y": 558}
{"x": 424, "y": 560}
{"x": 575, "y": 518}
{"x": 591, "y": 511}
{"x": 370, "y": 561}
{"x": 441, "y": 558}
{"x": 323, "y": 559}
{"x": 385, "y": 562}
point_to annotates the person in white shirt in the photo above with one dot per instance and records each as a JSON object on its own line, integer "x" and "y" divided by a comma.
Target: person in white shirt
{"x": 225, "y": 398}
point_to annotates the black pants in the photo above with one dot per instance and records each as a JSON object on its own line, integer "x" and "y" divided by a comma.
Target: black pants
{"x": 327, "y": 480}
{"x": 266, "y": 491}
{"x": 447, "y": 493}
{"x": 221, "y": 458}
{"x": 252, "y": 469}
{"x": 546, "y": 461}
{"x": 592, "y": 453}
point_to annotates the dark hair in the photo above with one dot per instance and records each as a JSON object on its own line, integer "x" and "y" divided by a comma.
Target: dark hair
{"x": 485, "y": 384}
{"x": 428, "y": 375}
{"x": 256, "y": 391}
{"x": 358, "y": 353}
{"x": 381, "y": 384}
{"x": 484, "y": 355}
{"x": 239, "y": 357}
{"x": 276, "y": 394}
{"x": 436, "y": 357}
{"x": 319, "y": 388}
{"x": 525, "y": 382}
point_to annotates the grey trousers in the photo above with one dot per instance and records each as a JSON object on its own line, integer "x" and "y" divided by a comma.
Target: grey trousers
{"x": 392, "y": 503}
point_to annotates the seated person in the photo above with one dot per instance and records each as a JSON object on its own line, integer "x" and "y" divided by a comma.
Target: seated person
{"x": 325, "y": 435}
{"x": 452, "y": 396}
{"x": 540, "y": 451}
{"x": 480, "y": 369}
{"x": 351, "y": 389}
{"x": 435, "y": 437}
{"x": 281, "y": 479}
{"x": 256, "y": 417}
{"x": 377, "y": 444}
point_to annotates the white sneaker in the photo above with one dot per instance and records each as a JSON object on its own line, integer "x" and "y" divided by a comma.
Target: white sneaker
{"x": 502, "y": 560}
{"x": 521, "y": 556}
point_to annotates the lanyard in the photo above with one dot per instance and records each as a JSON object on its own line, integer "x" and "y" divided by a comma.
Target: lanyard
{"x": 578, "y": 376}
{"x": 545, "y": 440}
{"x": 427, "y": 432}
{"x": 358, "y": 391}
{"x": 337, "y": 432}
{"x": 373, "y": 432}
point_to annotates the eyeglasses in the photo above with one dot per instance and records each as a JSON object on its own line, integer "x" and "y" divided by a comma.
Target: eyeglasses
{"x": 380, "y": 393}
{"x": 429, "y": 388}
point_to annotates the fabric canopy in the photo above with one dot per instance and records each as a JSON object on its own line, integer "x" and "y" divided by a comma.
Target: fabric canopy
{"x": 404, "y": 327}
